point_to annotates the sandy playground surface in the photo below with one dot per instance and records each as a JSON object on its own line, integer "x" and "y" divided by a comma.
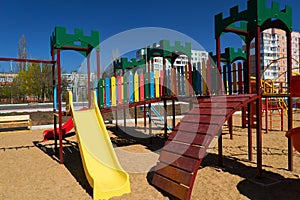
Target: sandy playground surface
{"x": 29, "y": 169}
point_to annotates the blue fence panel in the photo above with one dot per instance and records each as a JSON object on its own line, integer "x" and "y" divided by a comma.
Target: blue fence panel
{"x": 130, "y": 88}
{"x": 152, "y": 85}
{"x": 55, "y": 97}
{"x": 107, "y": 92}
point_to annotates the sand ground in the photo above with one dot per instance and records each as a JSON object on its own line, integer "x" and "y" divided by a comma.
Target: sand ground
{"x": 30, "y": 170}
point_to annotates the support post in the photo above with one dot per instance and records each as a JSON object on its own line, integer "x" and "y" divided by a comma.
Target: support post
{"x": 266, "y": 114}
{"x": 220, "y": 148}
{"x": 54, "y": 109}
{"x": 165, "y": 119}
{"x": 150, "y": 123}
{"x": 247, "y": 91}
{"x": 117, "y": 126}
{"x": 290, "y": 102}
{"x": 244, "y": 117}
{"x": 135, "y": 116}
{"x": 98, "y": 63}
{"x": 59, "y": 107}
{"x": 124, "y": 116}
{"x": 250, "y": 123}
{"x": 145, "y": 117}
{"x": 89, "y": 80}
{"x": 258, "y": 103}
{"x": 230, "y": 127}
{"x": 218, "y": 49}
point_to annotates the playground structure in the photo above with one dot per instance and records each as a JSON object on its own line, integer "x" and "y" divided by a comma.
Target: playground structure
{"x": 256, "y": 18}
{"x": 177, "y": 177}
{"x": 214, "y": 95}
{"x": 187, "y": 144}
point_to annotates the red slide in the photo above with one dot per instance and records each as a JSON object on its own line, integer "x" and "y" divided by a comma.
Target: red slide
{"x": 66, "y": 127}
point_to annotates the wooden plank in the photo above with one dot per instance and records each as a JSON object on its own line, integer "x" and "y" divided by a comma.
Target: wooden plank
{"x": 142, "y": 87}
{"x": 208, "y": 76}
{"x": 229, "y": 78}
{"x": 190, "y": 150}
{"x": 136, "y": 88}
{"x": 191, "y": 138}
{"x": 119, "y": 88}
{"x": 14, "y": 118}
{"x": 209, "y": 111}
{"x": 146, "y": 85}
{"x": 151, "y": 82}
{"x": 177, "y": 190}
{"x": 178, "y": 161}
{"x": 203, "y": 74}
{"x": 130, "y": 88}
{"x": 223, "y": 99}
{"x": 156, "y": 81}
{"x": 125, "y": 89}
{"x": 197, "y": 128}
{"x": 113, "y": 91}
{"x": 174, "y": 173}
{"x": 240, "y": 77}
{"x": 161, "y": 80}
{"x": 107, "y": 92}
{"x": 204, "y": 119}
{"x": 218, "y": 105}
{"x": 234, "y": 70}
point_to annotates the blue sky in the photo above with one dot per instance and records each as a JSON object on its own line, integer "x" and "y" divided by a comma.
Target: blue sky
{"x": 36, "y": 19}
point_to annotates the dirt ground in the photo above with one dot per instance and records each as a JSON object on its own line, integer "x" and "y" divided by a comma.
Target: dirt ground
{"x": 45, "y": 118}
{"x": 30, "y": 169}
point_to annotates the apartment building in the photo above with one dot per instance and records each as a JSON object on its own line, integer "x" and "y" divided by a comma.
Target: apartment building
{"x": 198, "y": 57}
{"x": 274, "y": 53}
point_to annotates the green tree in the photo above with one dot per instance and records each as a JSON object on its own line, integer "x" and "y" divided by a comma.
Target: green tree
{"x": 46, "y": 82}
{"x": 35, "y": 82}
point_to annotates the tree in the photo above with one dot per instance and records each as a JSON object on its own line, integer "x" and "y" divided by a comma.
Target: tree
{"x": 46, "y": 82}
{"x": 35, "y": 82}
{"x": 22, "y": 52}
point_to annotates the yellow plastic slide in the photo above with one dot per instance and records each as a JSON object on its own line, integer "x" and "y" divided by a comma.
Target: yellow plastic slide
{"x": 99, "y": 159}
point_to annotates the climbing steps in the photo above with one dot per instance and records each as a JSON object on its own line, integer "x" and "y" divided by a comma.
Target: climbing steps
{"x": 156, "y": 117}
{"x": 274, "y": 109}
{"x": 186, "y": 146}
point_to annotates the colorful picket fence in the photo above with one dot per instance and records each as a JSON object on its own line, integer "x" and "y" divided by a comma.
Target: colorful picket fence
{"x": 176, "y": 82}
{"x": 233, "y": 78}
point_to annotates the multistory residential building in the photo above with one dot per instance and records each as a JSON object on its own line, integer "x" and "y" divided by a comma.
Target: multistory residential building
{"x": 274, "y": 54}
{"x": 198, "y": 57}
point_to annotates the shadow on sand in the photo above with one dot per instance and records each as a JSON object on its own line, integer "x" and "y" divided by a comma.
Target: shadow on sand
{"x": 270, "y": 186}
{"x": 130, "y": 136}
{"x": 72, "y": 160}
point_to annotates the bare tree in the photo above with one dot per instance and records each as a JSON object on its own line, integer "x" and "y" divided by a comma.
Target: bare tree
{"x": 22, "y": 52}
